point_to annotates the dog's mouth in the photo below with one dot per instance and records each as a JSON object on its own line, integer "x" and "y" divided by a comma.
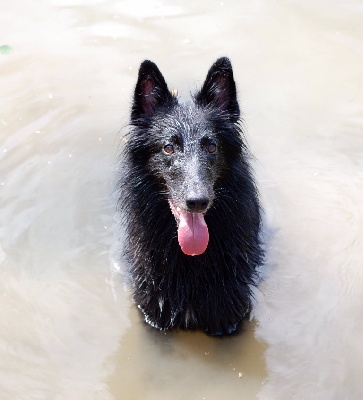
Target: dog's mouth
{"x": 193, "y": 234}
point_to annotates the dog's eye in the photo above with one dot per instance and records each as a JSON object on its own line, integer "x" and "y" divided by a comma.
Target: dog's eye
{"x": 169, "y": 149}
{"x": 212, "y": 148}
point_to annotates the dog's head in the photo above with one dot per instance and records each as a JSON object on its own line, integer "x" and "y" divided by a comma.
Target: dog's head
{"x": 189, "y": 145}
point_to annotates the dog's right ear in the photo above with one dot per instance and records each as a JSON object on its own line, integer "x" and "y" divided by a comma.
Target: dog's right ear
{"x": 151, "y": 91}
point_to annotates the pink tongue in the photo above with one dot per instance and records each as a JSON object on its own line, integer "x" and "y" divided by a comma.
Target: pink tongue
{"x": 193, "y": 235}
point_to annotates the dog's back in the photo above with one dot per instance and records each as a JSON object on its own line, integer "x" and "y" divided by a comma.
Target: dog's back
{"x": 190, "y": 205}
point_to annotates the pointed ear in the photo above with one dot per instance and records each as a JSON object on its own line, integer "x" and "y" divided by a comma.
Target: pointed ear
{"x": 219, "y": 89}
{"x": 151, "y": 91}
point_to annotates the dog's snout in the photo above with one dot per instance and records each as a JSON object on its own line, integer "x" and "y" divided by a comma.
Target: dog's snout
{"x": 197, "y": 204}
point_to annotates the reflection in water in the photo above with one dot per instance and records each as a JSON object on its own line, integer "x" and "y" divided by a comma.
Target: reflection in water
{"x": 183, "y": 365}
{"x": 67, "y": 70}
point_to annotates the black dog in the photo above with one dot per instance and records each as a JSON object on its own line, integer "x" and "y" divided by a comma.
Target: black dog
{"x": 190, "y": 205}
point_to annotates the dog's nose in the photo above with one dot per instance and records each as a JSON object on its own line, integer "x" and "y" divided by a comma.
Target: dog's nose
{"x": 197, "y": 204}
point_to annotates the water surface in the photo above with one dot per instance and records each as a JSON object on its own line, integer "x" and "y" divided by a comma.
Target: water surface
{"x": 67, "y": 70}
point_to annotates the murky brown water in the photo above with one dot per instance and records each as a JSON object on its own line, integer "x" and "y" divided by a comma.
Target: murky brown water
{"x": 68, "y": 329}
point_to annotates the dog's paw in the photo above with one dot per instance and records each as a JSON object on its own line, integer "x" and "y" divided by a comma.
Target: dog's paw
{"x": 150, "y": 321}
{"x": 155, "y": 322}
{"x": 229, "y": 330}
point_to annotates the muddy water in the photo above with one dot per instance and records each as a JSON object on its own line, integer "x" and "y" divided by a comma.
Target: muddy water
{"x": 68, "y": 328}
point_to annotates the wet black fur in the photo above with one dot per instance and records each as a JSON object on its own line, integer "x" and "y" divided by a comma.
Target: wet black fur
{"x": 210, "y": 291}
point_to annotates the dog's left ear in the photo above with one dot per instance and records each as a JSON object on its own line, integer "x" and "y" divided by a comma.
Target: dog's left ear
{"x": 219, "y": 89}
